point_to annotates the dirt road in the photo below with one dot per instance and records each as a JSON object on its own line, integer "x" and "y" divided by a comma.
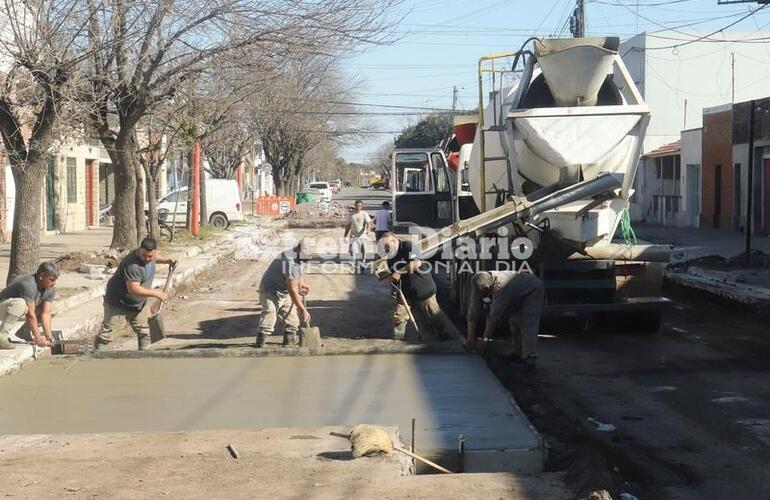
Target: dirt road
{"x": 689, "y": 405}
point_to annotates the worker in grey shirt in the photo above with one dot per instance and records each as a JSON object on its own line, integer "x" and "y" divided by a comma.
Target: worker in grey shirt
{"x": 127, "y": 292}
{"x": 509, "y": 292}
{"x": 26, "y": 305}
{"x": 280, "y": 293}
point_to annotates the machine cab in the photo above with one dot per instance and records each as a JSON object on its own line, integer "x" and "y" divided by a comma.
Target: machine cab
{"x": 422, "y": 188}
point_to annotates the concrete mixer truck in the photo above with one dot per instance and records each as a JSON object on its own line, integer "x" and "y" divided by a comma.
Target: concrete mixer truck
{"x": 542, "y": 177}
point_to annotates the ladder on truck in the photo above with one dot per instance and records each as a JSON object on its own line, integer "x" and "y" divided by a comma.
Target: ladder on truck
{"x": 487, "y": 66}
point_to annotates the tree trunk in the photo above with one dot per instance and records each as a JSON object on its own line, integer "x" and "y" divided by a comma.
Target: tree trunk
{"x": 278, "y": 182}
{"x": 124, "y": 233}
{"x": 152, "y": 202}
{"x": 25, "y": 241}
{"x": 188, "y": 218}
{"x": 141, "y": 217}
{"x": 3, "y": 209}
{"x": 204, "y": 209}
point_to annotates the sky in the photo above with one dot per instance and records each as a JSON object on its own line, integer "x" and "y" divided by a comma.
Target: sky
{"x": 439, "y": 43}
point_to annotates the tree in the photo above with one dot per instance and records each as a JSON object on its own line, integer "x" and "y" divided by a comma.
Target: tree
{"x": 39, "y": 48}
{"x": 427, "y": 133}
{"x": 148, "y": 49}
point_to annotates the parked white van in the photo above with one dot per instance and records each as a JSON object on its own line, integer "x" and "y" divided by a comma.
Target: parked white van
{"x": 223, "y": 203}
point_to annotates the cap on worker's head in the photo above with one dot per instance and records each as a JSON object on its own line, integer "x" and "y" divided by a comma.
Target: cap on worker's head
{"x": 48, "y": 269}
{"x": 482, "y": 280}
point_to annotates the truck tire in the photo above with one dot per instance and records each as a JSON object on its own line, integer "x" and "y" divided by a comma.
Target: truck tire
{"x": 219, "y": 220}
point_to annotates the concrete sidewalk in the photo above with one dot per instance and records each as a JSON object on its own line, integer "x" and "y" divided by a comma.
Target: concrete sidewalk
{"x": 692, "y": 243}
{"x": 745, "y": 286}
{"x": 78, "y": 305}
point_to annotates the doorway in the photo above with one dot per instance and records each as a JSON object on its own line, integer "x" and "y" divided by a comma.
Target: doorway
{"x": 50, "y": 196}
{"x": 766, "y": 193}
{"x": 717, "y": 196}
{"x": 693, "y": 195}
{"x": 90, "y": 206}
{"x": 737, "y": 197}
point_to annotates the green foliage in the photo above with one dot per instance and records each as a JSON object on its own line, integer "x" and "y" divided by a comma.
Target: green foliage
{"x": 427, "y": 133}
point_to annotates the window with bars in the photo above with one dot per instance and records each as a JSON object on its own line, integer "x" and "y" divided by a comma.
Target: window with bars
{"x": 72, "y": 180}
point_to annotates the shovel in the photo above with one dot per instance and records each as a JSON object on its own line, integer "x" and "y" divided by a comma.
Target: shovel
{"x": 155, "y": 322}
{"x": 309, "y": 336}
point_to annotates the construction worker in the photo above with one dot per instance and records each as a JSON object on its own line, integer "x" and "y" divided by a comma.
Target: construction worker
{"x": 280, "y": 294}
{"x": 509, "y": 291}
{"x": 413, "y": 276}
{"x": 357, "y": 228}
{"x": 26, "y": 305}
{"x": 382, "y": 220}
{"x": 127, "y": 293}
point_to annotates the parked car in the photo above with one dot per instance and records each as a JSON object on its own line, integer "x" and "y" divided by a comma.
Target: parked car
{"x": 223, "y": 203}
{"x": 321, "y": 191}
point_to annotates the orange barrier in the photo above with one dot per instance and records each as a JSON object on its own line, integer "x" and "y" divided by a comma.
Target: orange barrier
{"x": 274, "y": 206}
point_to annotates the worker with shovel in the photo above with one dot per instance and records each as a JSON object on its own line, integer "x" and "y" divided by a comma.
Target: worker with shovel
{"x": 127, "y": 292}
{"x": 412, "y": 278}
{"x": 26, "y": 305}
{"x": 515, "y": 295}
{"x": 280, "y": 294}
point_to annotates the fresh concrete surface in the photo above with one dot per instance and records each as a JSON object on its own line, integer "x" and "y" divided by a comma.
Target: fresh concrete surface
{"x": 273, "y": 464}
{"x": 448, "y": 395}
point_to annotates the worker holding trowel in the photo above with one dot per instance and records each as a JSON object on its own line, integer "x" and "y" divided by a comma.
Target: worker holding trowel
{"x": 26, "y": 305}
{"x": 280, "y": 295}
{"x": 412, "y": 277}
{"x": 127, "y": 292}
{"x": 514, "y": 295}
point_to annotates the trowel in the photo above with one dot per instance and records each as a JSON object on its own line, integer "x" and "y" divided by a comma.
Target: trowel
{"x": 157, "y": 329}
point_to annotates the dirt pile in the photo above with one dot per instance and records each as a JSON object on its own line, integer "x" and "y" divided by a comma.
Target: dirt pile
{"x": 71, "y": 262}
{"x": 317, "y": 215}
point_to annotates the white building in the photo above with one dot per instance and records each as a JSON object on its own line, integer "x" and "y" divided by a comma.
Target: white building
{"x": 678, "y": 80}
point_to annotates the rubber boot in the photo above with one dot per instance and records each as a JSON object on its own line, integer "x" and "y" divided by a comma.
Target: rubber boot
{"x": 99, "y": 344}
{"x": 399, "y": 332}
{"x": 260, "y": 341}
{"x": 6, "y": 344}
{"x": 290, "y": 340}
{"x": 144, "y": 342}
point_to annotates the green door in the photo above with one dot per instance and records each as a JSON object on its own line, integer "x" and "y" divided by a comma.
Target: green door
{"x": 50, "y": 196}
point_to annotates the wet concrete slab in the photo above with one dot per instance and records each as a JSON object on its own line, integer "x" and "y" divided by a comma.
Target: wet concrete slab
{"x": 448, "y": 395}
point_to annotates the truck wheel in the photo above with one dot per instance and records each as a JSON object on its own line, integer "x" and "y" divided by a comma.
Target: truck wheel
{"x": 219, "y": 221}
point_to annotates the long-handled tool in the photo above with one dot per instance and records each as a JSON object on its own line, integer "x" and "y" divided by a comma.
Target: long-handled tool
{"x": 403, "y": 301}
{"x": 157, "y": 329}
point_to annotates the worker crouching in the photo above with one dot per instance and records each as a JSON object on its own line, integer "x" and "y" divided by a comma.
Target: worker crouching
{"x": 280, "y": 295}
{"x": 515, "y": 296}
{"x": 413, "y": 276}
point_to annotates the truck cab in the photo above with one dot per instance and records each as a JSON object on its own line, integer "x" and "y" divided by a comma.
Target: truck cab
{"x": 422, "y": 189}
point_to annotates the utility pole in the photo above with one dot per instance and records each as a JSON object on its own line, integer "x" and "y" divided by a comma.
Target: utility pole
{"x": 455, "y": 98}
{"x": 732, "y": 75}
{"x": 577, "y": 23}
{"x": 750, "y": 190}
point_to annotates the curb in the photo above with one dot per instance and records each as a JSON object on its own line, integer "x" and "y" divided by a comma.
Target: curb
{"x": 737, "y": 293}
{"x": 13, "y": 360}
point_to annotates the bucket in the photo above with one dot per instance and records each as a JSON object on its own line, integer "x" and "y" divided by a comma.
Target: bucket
{"x": 304, "y": 197}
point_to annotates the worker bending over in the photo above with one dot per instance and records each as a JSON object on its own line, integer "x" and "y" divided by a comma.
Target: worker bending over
{"x": 414, "y": 277}
{"x": 127, "y": 293}
{"x": 510, "y": 292}
{"x": 280, "y": 293}
{"x": 26, "y": 305}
